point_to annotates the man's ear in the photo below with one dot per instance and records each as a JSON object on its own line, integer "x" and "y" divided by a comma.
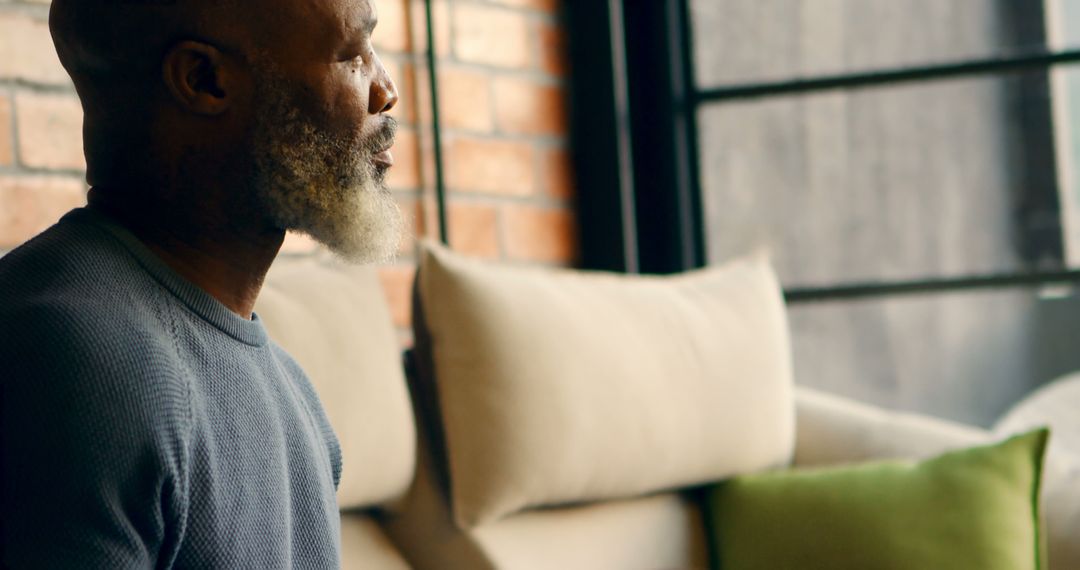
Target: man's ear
{"x": 196, "y": 78}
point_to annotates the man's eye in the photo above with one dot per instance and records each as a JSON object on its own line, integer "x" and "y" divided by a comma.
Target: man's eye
{"x": 352, "y": 58}
{"x": 363, "y": 55}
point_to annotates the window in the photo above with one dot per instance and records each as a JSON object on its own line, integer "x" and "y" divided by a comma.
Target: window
{"x": 878, "y": 148}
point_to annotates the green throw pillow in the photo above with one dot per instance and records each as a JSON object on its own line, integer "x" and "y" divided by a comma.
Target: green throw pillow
{"x": 975, "y": 508}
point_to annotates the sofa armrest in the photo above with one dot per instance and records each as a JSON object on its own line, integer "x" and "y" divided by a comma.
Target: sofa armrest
{"x": 1061, "y": 509}
{"x": 832, "y": 429}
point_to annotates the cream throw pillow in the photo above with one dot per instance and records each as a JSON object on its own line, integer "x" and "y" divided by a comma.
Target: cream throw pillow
{"x": 557, "y": 386}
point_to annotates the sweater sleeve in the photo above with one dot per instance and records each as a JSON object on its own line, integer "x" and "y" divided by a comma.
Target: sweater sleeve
{"x": 93, "y": 454}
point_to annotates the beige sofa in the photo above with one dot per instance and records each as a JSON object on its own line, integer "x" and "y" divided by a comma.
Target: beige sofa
{"x": 567, "y": 420}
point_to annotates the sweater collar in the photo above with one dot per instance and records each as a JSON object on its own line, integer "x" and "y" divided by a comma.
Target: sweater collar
{"x": 195, "y": 298}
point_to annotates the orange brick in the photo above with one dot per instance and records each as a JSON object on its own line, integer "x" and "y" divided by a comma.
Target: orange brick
{"x": 423, "y": 96}
{"x": 539, "y": 234}
{"x": 50, "y": 131}
{"x": 491, "y": 166}
{"x": 27, "y": 52}
{"x": 31, "y": 204}
{"x": 440, "y": 13}
{"x": 7, "y": 142}
{"x": 474, "y": 229}
{"x": 465, "y": 99}
{"x": 429, "y": 215}
{"x": 397, "y": 286}
{"x": 530, "y": 108}
{"x": 491, "y": 36}
{"x": 557, "y": 173}
{"x": 392, "y": 33}
{"x": 552, "y": 49}
{"x": 406, "y": 85}
{"x": 405, "y": 174}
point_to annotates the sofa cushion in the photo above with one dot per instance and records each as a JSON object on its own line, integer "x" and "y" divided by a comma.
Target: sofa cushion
{"x": 653, "y": 532}
{"x": 556, "y": 386}
{"x": 364, "y": 545}
{"x": 656, "y": 531}
{"x": 1056, "y": 405}
{"x": 973, "y": 508}
{"x": 334, "y": 321}
{"x": 834, "y": 429}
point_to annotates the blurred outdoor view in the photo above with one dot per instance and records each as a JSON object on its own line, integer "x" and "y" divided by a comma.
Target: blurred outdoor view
{"x": 944, "y": 178}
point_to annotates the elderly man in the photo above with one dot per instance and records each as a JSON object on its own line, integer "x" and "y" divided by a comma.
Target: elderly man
{"x": 148, "y": 421}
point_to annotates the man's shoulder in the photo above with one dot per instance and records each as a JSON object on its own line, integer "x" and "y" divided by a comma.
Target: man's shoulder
{"x": 71, "y": 257}
{"x": 75, "y": 275}
{"x": 61, "y": 337}
{"x": 71, "y": 298}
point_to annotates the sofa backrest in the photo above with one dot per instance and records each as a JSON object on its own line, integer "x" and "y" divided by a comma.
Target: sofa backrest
{"x": 334, "y": 321}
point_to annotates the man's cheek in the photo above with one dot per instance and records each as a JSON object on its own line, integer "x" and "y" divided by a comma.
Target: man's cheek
{"x": 351, "y": 102}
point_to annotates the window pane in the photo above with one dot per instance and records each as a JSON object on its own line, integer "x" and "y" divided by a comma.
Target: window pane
{"x": 1064, "y": 29}
{"x": 919, "y": 180}
{"x": 740, "y": 41}
{"x": 965, "y": 356}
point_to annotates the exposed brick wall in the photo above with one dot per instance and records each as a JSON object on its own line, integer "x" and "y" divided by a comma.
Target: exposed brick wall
{"x": 501, "y": 77}
{"x": 41, "y": 161}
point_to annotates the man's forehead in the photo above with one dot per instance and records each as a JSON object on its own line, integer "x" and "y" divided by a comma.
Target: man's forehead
{"x": 111, "y": 35}
{"x": 357, "y": 15}
{"x": 334, "y": 18}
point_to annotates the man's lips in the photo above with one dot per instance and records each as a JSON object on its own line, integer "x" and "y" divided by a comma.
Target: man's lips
{"x": 384, "y": 158}
{"x": 384, "y": 137}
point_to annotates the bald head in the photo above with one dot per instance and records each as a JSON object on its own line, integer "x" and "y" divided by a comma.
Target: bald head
{"x": 110, "y": 38}
{"x": 181, "y": 96}
{"x": 125, "y": 38}
{"x": 120, "y": 53}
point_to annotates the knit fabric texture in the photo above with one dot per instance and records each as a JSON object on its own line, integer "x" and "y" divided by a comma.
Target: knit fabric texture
{"x": 147, "y": 426}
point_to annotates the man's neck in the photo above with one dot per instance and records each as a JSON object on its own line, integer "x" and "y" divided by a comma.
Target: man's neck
{"x": 226, "y": 260}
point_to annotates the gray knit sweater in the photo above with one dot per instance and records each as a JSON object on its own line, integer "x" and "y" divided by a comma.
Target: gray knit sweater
{"x": 144, "y": 424}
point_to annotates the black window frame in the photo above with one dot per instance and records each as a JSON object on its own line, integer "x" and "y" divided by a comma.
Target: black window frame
{"x": 634, "y": 101}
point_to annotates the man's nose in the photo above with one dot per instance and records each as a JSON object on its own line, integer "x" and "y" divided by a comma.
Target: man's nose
{"x": 383, "y": 94}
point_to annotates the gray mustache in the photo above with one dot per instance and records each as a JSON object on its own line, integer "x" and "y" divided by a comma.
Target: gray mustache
{"x": 384, "y": 137}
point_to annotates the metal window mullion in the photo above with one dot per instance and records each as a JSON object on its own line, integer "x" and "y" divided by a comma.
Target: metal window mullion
{"x": 436, "y": 128}
{"x": 884, "y": 77}
{"x": 691, "y": 215}
{"x": 624, "y": 137}
{"x": 966, "y": 283}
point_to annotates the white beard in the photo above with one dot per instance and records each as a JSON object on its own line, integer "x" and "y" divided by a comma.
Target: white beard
{"x": 323, "y": 186}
